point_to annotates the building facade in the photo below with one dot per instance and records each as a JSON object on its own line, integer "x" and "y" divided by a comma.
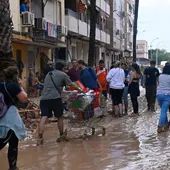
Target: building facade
{"x": 121, "y": 28}
{"x": 142, "y": 49}
{"x": 58, "y": 29}
{"x": 142, "y": 52}
{"x": 128, "y": 32}
{"x": 78, "y": 24}
{"x": 118, "y": 28}
{"x": 39, "y": 29}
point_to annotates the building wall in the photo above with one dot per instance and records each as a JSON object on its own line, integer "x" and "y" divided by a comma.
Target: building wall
{"x": 31, "y": 56}
{"x": 37, "y": 8}
{"x": 129, "y": 18}
{"x": 118, "y": 24}
{"x": 79, "y": 27}
{"x": 31, "y": 51}
{"x": 62, "y": 11}
{"x": 15, "y": 14}
{"x": 50, "y": 12}
{"x": 142, "y": 49}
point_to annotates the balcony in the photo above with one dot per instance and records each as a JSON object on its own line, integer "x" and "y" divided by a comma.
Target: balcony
{"x": 97, "y": 34}
{"x": 45, "y": 31}
{"x": 42, "y": 36}
{"x": 103, "y": 37}
{"x": 107, "y": 38}
{"x": 75, "y": 25}
{"x": 81, "y": 28}
{"x": 72, "y": 21}
{"x": 103, "y": 5}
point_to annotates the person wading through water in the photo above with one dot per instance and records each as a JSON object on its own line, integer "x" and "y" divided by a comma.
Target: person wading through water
{"x": 51, "y": 101}
{"x": 12, "y": 128}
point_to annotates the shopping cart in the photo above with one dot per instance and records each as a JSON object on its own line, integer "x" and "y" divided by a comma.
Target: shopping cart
{"x": 80, "y": 115}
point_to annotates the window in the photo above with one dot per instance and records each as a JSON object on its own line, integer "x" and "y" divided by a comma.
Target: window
{"x": 59, "y": 13}
{"x": 24, "y": 6}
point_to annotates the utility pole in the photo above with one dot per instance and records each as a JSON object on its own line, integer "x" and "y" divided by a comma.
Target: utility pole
{"x": 135, "y": 28}
{"x": 156, "y": 57}
{"x": 92, "y": 39}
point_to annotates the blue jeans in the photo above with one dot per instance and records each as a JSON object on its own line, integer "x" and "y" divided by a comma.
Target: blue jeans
{"x": 164, "y": 102}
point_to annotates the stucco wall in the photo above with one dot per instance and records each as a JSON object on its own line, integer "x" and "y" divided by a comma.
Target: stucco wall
{"x": 15, "y": 14}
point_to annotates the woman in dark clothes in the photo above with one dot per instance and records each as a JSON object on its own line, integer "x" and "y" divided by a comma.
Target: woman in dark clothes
{"x": 134, "y": 91}
{"x": 11, "y": 125}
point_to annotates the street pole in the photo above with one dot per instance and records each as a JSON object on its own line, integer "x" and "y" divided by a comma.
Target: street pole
{"x": 151, "y": 45}
{"x": 135, "y": 27}
{"x": 151, "y": 51}
{"x": 156, "y": 57}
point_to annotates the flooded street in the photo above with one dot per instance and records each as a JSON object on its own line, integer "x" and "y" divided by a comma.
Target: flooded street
{"x": 130, "y": 143}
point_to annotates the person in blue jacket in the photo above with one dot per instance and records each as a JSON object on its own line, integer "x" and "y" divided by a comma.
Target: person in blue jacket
{"x": 88, "y": 76}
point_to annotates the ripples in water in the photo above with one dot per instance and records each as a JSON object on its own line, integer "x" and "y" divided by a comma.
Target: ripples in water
{"x": 129, "y": 144}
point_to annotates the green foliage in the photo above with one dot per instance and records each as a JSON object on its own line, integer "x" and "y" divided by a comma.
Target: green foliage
{"x": 162, "y": 54}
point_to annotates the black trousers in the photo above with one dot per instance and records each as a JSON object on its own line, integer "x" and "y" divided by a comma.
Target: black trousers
{"x": 151, "y": 96}
{"x": 12, "y": 149}
{"x": 135, "y": 104}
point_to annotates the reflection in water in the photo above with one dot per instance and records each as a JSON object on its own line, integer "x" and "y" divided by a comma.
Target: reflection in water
{"x": 129, "y": 144}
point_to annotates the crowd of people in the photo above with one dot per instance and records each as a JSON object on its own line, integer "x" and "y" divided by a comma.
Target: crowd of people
{"x": 116, "y": 83}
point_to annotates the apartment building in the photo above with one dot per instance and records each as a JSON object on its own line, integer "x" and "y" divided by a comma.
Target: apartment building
{"x": 60, "y": 29}
{"x": 78, "y": 24}
{"x": 142, "y": 52}
{"x": 142, "y": 49}
{"x": 121, "y": 28}
{"x": 118, "y": 28}
{"x": 129, "y": 20}
{"x": 39, "y": 28}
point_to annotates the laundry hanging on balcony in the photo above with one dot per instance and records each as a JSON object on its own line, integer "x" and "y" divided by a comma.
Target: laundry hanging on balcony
{"x": 51, "y": 29}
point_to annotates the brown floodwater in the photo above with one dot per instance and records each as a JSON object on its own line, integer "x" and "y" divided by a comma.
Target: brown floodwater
{"x": 130, "y": 143}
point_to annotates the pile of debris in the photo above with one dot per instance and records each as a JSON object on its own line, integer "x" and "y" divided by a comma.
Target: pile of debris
{"x": 30, "y": 115}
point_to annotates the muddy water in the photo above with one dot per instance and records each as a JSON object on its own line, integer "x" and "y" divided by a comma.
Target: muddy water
{"x": 130, "y": 143}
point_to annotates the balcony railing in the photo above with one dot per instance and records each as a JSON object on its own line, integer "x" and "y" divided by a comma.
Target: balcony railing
{"x": 42, "y": 35}
{"x": 45, "y": 31}
{"x": 103, "y": 5}
{"x": 71, "y": 13}
{"x": 79, "y": 27}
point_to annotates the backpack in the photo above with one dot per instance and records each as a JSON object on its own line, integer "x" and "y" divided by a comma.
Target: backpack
{"x": 3, "y": 106}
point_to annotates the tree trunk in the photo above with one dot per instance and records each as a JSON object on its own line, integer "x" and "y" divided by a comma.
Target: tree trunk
{"x": 93, "y": 21}
{"x": 5, "y": 38}
{"x": 5, "y": 27}
{"x": 135, "y": 29}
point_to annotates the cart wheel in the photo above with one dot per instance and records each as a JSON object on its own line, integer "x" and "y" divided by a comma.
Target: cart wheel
{"x": 93, "y": 130}
{"x": 103, "y": 131}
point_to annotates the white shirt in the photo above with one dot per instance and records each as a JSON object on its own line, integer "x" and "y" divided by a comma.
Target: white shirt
{"x": 116, "y": 78}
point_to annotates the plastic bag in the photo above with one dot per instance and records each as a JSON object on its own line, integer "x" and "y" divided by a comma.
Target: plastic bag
{"x": 86, "y": 101}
